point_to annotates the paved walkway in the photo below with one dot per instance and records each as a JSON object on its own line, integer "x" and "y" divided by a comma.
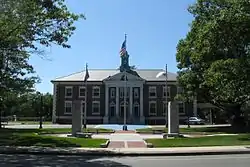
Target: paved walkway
{"x": 126, "y": 139}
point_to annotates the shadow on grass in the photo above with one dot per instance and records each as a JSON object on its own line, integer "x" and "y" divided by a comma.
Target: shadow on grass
{"x": 59, "y": 161}
{"x": 29, "y": 137}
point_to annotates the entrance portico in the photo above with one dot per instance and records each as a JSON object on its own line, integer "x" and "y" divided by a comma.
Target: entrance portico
{"x": 114, "y": 96}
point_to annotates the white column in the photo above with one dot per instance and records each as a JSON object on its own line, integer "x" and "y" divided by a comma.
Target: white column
{"x": 131, "y": 101}
{"x": 195, "y": 106}
{"x": 54, "y": 103}
{"x": 106, "y": 100}
{"x": 117, "y": 101}
{"x": 142, "y": 118}
{"x": 106, "y": 117}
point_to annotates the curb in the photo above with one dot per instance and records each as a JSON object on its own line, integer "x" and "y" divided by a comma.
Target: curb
{"x": 114, "y": 153}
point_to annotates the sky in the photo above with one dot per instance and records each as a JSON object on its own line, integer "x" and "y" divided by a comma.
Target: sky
{"x": 153, "y": 29}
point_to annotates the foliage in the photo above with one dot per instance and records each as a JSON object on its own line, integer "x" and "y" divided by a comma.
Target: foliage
{"x": 213, "y": 59}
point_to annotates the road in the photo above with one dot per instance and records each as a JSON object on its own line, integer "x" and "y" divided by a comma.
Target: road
{"x": 75, "y": 161}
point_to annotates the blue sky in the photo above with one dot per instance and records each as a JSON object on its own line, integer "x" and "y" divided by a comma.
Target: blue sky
{"x": 154, "y": 28}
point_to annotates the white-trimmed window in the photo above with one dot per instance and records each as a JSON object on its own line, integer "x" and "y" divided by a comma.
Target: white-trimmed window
{"x": 96, "y": 107}
{"x": 136, "y": 92}
{"x": 181, "y": 107}
{"x": 164, "y": 108}
{"x": 82, "y": 91}
{"x": 152, "y": 91}
{"x": 112, "y": 92}
{"x": 68, "y": 91}
{"x": 164, "y": 91}
{"x": 96, "y": 92}
{"x": 152, "y": 108}
{"x": 68, "y": 107}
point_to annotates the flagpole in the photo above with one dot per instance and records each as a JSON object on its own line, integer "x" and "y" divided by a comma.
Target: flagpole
{"x": 166, "y": 110}
{"x": 86, "y": 97}
{"x": 125, "y": 93}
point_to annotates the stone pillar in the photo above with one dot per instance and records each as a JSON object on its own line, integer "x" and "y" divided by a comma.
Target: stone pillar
{"x": 117, "y": 102}
{"x": 106, "y": 116}
{"x": 131, "y": 101}
{"x": 76, "y": 117}
{"x": 173, "y": 118}
{"x": 142, "y": 118}
{"x": 54, "y": 103}
{"x": 195, "y": 106}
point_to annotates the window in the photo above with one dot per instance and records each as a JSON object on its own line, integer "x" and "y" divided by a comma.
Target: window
{"x": 68, "y": 91}
{"x": 164, "y": 91}
{"x": 96, "y": 92}
{"x": 95, "y": 107}
{"x": 68, "y": 107}
{"x": 152, "y": 91}
{"x": 152, "y": 108}
{"x": 82, "y": 91}
{"x": 181, "y": 107}
{"x": 112, "y": 92}
{"x": 136, "y": 109}
{"x": 122, "y": 106}
{"x": 121, "y": 92}
{"x": 136, "y": 92}
{"x": 83, "y": 108}
{"x": 164, "y": 108}
{"x": 112, "y": 109}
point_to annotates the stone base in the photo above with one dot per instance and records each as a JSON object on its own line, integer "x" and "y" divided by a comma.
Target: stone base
{"x": 105, "y": 120}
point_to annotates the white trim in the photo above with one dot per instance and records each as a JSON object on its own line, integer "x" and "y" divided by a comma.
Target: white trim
{"x": 79, "y": 92}
{"x": 99, "y": 91}
{"x": 65, "y": 92}
{"x": 150, "y": 88}
{"x": 121, "y": 83}
{"x": 70, "y": 117}
{"x": 164, "y": 91}
{"x": 161, "y": 83}
{"x": 96, "y": 113}
{"x": 79, "y": 82}
{"x": 54, "y": 103}
{"x": 69, "y": 102}
{"x": 150, "y": 113}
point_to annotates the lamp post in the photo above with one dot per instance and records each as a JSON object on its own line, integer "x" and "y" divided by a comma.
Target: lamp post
{"x": 125, "y": 128}
{"x": 41, "y": 112}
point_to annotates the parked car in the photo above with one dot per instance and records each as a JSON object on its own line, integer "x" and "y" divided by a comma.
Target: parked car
{"x": 195, "y": 121}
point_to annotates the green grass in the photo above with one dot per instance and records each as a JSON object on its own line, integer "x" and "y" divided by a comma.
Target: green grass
{"x": 31, "y": 137}
{"x": 243, "y": 139}
{"x": 199, "y": 130}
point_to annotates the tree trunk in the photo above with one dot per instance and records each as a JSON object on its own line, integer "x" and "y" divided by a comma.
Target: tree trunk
{"x": 237, "y": 118}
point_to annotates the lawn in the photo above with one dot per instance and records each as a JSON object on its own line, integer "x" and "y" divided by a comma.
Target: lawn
{"x": 234, "y": 140}
{"x": 31, "y": 137}
{"x": 199, "y": 130}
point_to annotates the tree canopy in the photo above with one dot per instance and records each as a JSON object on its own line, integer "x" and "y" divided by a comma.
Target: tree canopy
{"x": 213, "y": 59}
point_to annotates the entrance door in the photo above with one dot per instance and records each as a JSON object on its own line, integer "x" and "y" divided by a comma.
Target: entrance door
{"x": 136, "y": 110}
{"x": 122, "y": 109}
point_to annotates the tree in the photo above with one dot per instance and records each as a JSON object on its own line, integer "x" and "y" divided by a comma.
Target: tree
{"x": 213, "y": 59}
{"x": 25, "y": 26}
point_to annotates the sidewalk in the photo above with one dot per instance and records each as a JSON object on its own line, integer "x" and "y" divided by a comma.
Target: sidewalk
{"x": 174, "y": 151}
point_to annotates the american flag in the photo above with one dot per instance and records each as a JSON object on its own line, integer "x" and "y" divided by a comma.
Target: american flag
{"x": 123, "y": 50}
